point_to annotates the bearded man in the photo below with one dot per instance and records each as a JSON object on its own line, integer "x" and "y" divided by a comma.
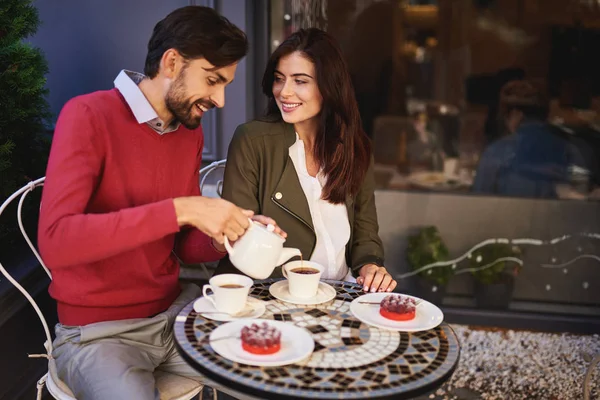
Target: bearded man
{"x": 122, "y": 201}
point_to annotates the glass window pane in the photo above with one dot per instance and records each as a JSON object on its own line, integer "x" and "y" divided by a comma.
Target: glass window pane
{"x": 428, "y": 77}
{"x": 485, "y": 121}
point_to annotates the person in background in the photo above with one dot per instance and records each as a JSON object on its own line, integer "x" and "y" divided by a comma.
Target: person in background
{"x": 532, "y": 160}
{"x": 494, "y": 127}
{"x": 121, "y": 202}
{"x": 425, "y": 152}
{"x": 308, "y": 163}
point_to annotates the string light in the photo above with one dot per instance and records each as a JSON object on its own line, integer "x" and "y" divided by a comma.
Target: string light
{"x": 570, "y": 262}
{"x": 521, "y": 241}
{"x": 499, "y": 260}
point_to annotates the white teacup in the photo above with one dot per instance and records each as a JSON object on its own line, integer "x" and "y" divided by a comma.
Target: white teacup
{"x": 303, "y": 285}
{"x": 230, "y": 292}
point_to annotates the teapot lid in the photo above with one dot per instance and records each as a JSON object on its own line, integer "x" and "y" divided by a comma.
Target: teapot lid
{"x": 270, "y": 228}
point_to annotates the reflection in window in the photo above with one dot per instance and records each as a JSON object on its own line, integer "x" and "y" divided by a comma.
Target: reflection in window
{"x": 428, "y": 77}
{"x": 498, "y": 103}
{"x": 290, "y": 15}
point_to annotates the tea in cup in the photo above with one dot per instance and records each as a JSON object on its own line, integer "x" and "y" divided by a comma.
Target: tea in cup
{"x": 230, "y": 292}
{"x": 303, "y": 278}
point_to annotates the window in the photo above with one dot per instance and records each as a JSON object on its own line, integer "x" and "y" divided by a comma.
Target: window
{"x": 485, "y": 122}
{"x": 428, "y": 77}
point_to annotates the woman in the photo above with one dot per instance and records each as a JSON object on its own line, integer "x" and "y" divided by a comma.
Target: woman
{"x": 308, "y": 163}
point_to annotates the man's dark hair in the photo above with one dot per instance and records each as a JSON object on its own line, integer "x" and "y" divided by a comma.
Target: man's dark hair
{"x": 196, "y": 32}
{"x": 525, "y": 96}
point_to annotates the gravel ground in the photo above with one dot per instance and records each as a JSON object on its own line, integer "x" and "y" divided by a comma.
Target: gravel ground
{"x": 505, "y": 365}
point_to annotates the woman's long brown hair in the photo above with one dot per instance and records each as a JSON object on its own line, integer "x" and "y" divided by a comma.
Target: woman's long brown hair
{"x": 342, "y": 149}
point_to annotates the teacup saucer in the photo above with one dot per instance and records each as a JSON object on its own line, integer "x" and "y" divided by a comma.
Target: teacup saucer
{"x": 254, "y": 308}
{"x": 280, "y": 291}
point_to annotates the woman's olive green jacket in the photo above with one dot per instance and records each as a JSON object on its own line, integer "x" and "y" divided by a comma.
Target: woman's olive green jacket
{"x": 260, "y": 176}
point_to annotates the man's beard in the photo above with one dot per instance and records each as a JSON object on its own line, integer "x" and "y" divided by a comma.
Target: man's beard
{"x": 182, "y": 109}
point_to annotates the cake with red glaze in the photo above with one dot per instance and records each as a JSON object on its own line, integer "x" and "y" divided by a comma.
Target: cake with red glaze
{"x": 261, "y": 339}
{"x": 397, "y": 307}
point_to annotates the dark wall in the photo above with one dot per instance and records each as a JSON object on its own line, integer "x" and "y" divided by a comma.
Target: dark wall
{"x": 87, "y": 43}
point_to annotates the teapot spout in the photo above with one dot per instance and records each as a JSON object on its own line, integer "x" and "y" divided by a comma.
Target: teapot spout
{"x": 287, "y": 253}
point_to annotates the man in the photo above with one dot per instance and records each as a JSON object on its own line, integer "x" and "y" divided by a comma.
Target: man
{"x": 121, "y": 202}
{"x": 532, "y": 160}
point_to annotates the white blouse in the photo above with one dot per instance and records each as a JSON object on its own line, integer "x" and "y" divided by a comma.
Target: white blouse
{"x": 330, "y": 221}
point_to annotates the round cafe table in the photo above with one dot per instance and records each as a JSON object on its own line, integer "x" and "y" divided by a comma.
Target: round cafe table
{"x": 351, "y": 360}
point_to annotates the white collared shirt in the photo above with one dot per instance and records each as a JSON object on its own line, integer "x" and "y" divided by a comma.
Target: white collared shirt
{"x": 330, "y": 221}
{"x": 127, "y": 83}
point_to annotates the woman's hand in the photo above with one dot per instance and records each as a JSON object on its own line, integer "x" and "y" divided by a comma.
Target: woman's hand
{"x": 375, "y": 279}
{"x": 266, "y": 221}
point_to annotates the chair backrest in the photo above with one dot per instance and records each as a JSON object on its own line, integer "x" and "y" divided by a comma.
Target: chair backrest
{"x": 22, "y": 193}
{"x": 206, "y": 171}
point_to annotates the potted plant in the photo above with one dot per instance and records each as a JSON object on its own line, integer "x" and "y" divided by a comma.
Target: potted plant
{"x": 425, "y": 248}
{"x": 494, "y": 280}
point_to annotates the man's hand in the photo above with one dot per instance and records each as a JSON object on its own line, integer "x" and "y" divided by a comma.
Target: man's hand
{"x": 215, "y": 217}
{"x": 263, "y": 220}
{"x": 375, "y": 279}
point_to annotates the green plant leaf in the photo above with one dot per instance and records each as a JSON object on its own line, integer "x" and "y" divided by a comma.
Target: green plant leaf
{"x": 24, "y": 109}
{"x": 427, "y": 247}
{"x": 498, "y": 271}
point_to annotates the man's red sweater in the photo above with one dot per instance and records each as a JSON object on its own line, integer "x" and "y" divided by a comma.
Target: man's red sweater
{"x": 107, "y": 221}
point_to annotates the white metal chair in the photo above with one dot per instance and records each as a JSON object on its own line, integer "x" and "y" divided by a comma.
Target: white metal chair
{"x": 170, "y": 386}
{"x": 191, "y": 272}
{"x": 206, "y": 171}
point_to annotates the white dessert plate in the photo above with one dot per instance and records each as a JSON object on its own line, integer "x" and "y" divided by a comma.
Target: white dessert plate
{"x": 297, "y": 344}
{"x": 427, "y": 315}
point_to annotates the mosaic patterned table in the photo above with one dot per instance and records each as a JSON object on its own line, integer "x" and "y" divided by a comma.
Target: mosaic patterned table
{"x": 351, "y": 360}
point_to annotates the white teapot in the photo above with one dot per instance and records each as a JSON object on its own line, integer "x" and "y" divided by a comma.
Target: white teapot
{"x": 259, "y": 251}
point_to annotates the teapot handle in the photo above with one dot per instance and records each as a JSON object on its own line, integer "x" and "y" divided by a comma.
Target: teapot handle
{"x": 228, "y": 246}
